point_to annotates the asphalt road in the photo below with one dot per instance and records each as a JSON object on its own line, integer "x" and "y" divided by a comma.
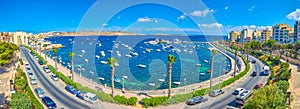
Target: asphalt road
{"x": 55, "y": 89}
{"x": 227, "y": 99}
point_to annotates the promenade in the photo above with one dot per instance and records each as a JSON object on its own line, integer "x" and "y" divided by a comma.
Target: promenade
{"x": 180, "y": 90}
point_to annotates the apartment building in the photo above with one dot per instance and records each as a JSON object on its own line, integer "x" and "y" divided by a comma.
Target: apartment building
{"x": 282, "y": 33}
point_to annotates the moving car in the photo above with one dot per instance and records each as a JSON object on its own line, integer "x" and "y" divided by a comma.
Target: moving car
{"x": 54, "y": 77}
{"x": 90, "y": 97}
{"x": 241, "y": 98}
{"x": 39, "y": 92}
{"x": 80, "y": 95}
{"x": 40, "y": 62}
{"x": 216, "y": 92}
{"x": 196, "y": 100}
{"x": 237, "y": 91}
{"x": 253, "y": 61}
{"x": 254, "y": 73}
{"x": 46, "y": 69}
{"x": 49, "y": 102}
{"x": 33, "y": 80}
{"x": 71, "y": 89}
{"x": 258, "y": 85}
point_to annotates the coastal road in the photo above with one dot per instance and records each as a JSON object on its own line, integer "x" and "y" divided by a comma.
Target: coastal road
{"x": 55, "y": 89}
{"x": 227, "y": 99}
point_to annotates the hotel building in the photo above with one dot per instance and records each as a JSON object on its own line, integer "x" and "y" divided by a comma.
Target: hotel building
{"x": 282, "y": 33}
{"x": 246, "y": 35}
{"x": 234, "y": 36}
{"x": 266, "y": 35}
{"x": 256, "y": 35}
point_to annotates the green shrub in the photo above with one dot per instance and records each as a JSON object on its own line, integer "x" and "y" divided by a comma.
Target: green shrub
{"x": 20, "y": 101}
{"x": 283, "y": 85}
{"x": 285, "y": 65}
{"x": 132, "y": 101}
{"x": 153, "y": 101}
{"x": 21, "y": 61}
{"x": 125, "y": 101}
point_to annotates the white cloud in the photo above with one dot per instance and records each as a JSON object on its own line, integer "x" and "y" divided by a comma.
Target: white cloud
{"x": 145, "y": 19}
{"x": 213, "y": 25}
{"x": 251, "y": 8}
{"x": 202, "y": 13}
{"x": 294, "y": 15}
{"x": 239, "y": 28}
{"x": 226, "y": 7}
{"x": 104, "y": 24}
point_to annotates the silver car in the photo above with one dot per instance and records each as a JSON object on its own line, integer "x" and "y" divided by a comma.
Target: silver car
{"x": 216, "y": 92}
{"x": 54, "y": 77}
{"x": 39, "y": 92}
{"x": 33, "y": 80}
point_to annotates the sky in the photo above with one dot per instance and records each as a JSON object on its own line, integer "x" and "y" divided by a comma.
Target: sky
{"x": 223, "y": 15}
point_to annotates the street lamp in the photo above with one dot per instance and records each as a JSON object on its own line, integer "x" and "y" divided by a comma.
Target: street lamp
{"x": 123, "y": 78}
{"x": 80, "y": 69}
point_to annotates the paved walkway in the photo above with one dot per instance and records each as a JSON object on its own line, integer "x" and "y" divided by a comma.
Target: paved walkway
{"x": 295, "y": 86}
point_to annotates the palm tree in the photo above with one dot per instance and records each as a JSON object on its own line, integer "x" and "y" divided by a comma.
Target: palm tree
{"x": 40, "y": 44}
{"x": 55, "y": 50}
{"x": 28, "y": 40}
{"x": 35, "y": 45}
{"x": 213, "y": 52}
{"x": 235, "y": 60}
{"x": 171, "y": 60}
{"x": 45, "y": 46}
{"x": 71, "y": 54}
{"x": 112, "y": 62}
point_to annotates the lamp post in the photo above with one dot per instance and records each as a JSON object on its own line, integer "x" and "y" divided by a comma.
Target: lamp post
{"x": 80, "y": 69}
{"x": 123, "y": 78}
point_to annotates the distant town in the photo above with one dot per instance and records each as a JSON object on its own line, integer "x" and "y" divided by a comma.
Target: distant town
{"x": 282, "y": 33}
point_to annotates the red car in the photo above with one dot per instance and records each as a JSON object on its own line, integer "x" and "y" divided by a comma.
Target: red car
{"x": 258, "y": 85}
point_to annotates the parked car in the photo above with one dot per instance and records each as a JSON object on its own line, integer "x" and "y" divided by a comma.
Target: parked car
{"x": 39, "y": 92}
{"x": 253, "y": 61}
{"x": 11, "y": 82}
{"x": 49, "y": 102}
{"x": 54, "y": 77}
{"x": 27, "y": 65}
{"x": 237, "y": 91}
{"x": 30, "y": 74}
{"x": 80, "y": 95}
{"x": 28, "y": 69}
{"x": 216, "y": 92}
{"x": 254, "y": 73}
{"x": 46, "y": 69}
{"x": 196, "y": 100}
{"x": 33, "y": 80}
{"x": 258, "y": 85}
{"x": 35, "y": 57}
{"x": 40, "y": 62}
{"x": 31, "y": 52}
{"x": 90, "y": 97}
{"x": 71, "y": 89}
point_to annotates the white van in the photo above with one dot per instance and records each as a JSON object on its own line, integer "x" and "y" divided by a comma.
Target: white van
{"x": 266, "y": 70}
{"x": 90, "y": 97}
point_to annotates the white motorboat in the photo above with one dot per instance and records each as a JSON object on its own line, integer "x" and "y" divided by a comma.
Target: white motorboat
{"x": 102, "y": 53}
{"x": 97, "y": 56}
{"x": 176, "y": 83}
{"x": 134, "y": 53}
{"x": 103, "y": 62}
{"x": 128, "y": 55}
{"x": 202, "y": 74}
{"x": 152, "y": 84}
{"x": 161, "y": 80}
{"x": 142, "y": 66}
{"x": 205, "y": 61}
{"x": 198, "y": 65}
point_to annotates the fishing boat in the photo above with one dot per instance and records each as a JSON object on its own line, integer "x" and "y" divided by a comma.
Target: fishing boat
{"x": 142, "y": 66}
{"x": 176, "y": 83}
{"x": 134, "y": 53}
{"x": 102, "y": 53}
{"x": 205, "y": 61}
{"x": 152, "y": 84}
{"x": 128, "y": 55}
{"x": 97, "y": 56}
{"x": 101, "y": 78}
{"x": 161, "y": 80}
{"x": 202, "y": 74}
{"x": 103, "y": 62}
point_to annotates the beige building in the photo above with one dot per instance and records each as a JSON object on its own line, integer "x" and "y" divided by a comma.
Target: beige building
{"x": 246, "y": 35}
{"x": 266, "y": 35}
{"x": 282, "y": 33}
{"x": 234, "y": 36}
{"x": 20, "y": 37}
{"x": 256, "y": 35}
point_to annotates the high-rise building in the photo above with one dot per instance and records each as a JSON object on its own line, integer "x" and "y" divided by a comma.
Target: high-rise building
{"x": 282, "y": 33}
{"x": 256, "y": 35}
{"x": 246, "y": 35}
{"x": 297, "y": 30}
{"x": 266, "y": 35}
{"x": 234, "y": 36}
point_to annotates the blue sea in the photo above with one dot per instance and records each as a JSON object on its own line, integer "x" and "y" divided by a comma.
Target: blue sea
{"x": 142, "y": 59}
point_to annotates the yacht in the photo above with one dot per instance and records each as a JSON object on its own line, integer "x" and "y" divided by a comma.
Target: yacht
{"x": 103, "y": 62}
{"x": 142, "y": 66}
